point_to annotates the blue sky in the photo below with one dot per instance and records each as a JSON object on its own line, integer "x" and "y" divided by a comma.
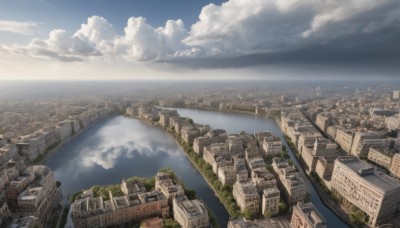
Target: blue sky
{"x": 177, "y": 39}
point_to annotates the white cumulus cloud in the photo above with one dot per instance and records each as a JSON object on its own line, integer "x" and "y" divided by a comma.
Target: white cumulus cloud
{"x": 142, "y": 42}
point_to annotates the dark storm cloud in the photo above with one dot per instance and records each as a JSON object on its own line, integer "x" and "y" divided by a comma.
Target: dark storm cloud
{"x": 368, "y": 50}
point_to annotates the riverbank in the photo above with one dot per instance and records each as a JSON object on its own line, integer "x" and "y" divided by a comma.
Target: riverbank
{"x": 322, "y": 195}
{"x": 199, "y": 169}
{"x": 49, "y": 154}
{"x": 155, "y": 124}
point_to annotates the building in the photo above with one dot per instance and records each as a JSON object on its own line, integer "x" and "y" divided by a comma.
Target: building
{"x": 392, "y": 122}
{"x": 344, "y": 138}
{"x": 262, "y": 179}
{"x": 227, "y": 174}
{"x": 357, "y": 183}
{"x": 324, "y": 167}
{"x": 199, "y": 144}
{"x": 170, "y": 189}
{"x": 132, "y": 187}
{"x": 321, "y": 148}
{"x": 31, "y": 146}
{"x": 40, "y": 197}
{"x": 5, "y": 214}
{"x": 246, "y": 196}
{"x": 272, "y": 146}
{"x": 190, "y": 213}
{"x": 90, "y": 211}
{"x": 63, "y": 130}
{"x": 395, "y": 166}
{"x": 26, "y": 222}
{"x": 259, "y": 223}
{"x": 270, "y": 200}
{"x": 396, "y": 95}
{"x": 322, "y": 121}
{"x": 189, "y": 133}
{"x": 305, "y": 215}
{"x": 289, "y": 181}
{"x": 380, "y": 157}
{"x": 165, "y": 114}
{"x": 362, "y": 141}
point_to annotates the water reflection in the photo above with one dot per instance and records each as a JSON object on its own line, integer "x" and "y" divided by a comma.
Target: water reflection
{"x": 108, "y": 144}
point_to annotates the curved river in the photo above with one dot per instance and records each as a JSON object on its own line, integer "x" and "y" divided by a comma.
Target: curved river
{"x": 119, "y": 147}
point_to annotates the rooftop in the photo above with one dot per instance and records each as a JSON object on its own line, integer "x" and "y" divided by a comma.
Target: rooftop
{"x": 311, "y": 214}
{"x": 368, "y": 173}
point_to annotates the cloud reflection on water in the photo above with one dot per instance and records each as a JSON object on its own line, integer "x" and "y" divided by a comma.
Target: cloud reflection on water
{"x": 116, "y": 141}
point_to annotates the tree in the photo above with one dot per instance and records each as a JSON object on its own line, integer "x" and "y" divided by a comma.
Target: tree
{"x": 267, "y": 214}
{"x": 191, "y": 194}
{"x": 282, "y": 207}
{"x": 170, "y": 223}
{"x": 217, "y": 185}
{"x": 226, "y": 187}
{"x": 290, "y": 162}
{"x": 249, "y": 215}
{"x": 307, "y": 198}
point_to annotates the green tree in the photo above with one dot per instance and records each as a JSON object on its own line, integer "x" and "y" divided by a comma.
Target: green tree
{"x": 307, "y": 198}
{"x": 249, "y": 215}
{"x": 217, "y": 185}
{"x": 267, "y": 214}
{"x": 170, "y": 223}
{"x": 282, "y": 207}
{"x": 191, "y": 194}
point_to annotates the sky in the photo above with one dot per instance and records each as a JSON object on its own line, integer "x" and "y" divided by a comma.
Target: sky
{"x": 177, "y": 39}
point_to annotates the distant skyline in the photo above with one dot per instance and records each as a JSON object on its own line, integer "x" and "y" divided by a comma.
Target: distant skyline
{"x": 181, "y": 40}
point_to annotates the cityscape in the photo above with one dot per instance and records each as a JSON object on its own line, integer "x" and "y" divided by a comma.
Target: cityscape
{"x": 199, "y": 114}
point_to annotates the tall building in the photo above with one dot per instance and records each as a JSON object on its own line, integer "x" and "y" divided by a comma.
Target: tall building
{"x": 359, "y": 184}
{"x": 305, "y": 215}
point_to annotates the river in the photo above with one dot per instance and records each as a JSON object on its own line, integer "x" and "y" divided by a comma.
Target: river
{"x": 119, "y": 147}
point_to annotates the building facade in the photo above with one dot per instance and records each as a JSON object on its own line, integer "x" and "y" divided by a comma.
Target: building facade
{"x": 359, "y": 184}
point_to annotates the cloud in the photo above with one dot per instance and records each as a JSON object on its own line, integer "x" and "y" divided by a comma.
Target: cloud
{"x": 22, "y": 28}
{"x": 236, "y": 33}
{"x": 142, "y": 42}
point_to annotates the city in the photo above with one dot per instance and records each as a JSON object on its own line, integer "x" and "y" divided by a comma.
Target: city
{"x": 199, "y": 114}
{"x": 319, "y": 147}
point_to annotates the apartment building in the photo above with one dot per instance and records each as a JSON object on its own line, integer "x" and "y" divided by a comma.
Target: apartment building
{"x": 374, "y": 192}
